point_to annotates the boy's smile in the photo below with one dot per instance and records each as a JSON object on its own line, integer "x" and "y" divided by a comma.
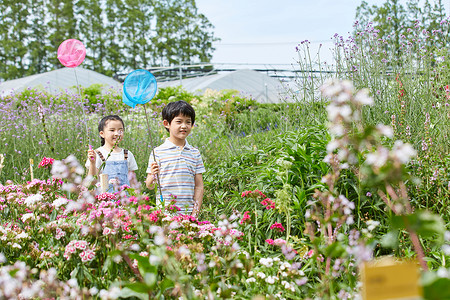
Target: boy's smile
{"x": 179, "y": 129}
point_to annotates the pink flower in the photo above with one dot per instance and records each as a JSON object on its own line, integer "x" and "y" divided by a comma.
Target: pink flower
{"x": 105, "y": 197}
{"x": 246, "y": 219}
{"x": 254, "y": 194}
{"x": 87, "y": 255}
{"x": 173, "y": 208}
{"x": 269, "y": 204}
{"x": 279, "y": 242}
{"x": 277, "y": 226}
{"x": 270, "y": 241}
{"x": 46, "y": 162}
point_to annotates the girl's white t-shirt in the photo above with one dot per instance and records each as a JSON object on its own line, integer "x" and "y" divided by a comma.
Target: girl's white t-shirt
{"x": 115, "y": 156}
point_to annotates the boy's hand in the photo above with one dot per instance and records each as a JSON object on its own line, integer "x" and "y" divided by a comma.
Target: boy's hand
{"x": 154, "y": 169}
{"x": 92, "y": 157}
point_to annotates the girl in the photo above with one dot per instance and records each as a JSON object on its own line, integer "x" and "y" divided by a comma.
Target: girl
{"x": 109, "y": 158}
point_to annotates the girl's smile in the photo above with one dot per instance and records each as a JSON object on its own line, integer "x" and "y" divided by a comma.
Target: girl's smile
{"x": 112, "y": 133}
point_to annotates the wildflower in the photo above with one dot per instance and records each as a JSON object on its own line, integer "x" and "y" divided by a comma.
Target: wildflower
{"x": 403, "y": 152}
{"x": 271, "y": 279}
{"x": 60, "y": 201}
{"x": 46, "y": 162}
{"x": 31, "y": 200}
{"x": 87, "y": 255}
{"x": 246, "y": 218}
{"x": 372, "y": 224}
{"x": 269, "y": 241}
{"x": 267, "y": 262}
{"x": 251, "y": 279}
{"x": 277, "y": 227}
{"x": 27, "y": 216}
{"x": 279, "y": 242}
{"x": 269, "y": 204}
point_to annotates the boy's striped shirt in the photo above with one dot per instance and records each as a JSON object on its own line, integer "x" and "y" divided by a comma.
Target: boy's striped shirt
{"x": 178, "y": 167}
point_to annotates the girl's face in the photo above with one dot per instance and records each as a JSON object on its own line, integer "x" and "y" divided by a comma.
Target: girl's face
{"x": 112, "y": 132}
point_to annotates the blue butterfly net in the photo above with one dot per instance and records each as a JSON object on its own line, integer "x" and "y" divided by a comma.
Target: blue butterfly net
{"x": 139, "y": 87}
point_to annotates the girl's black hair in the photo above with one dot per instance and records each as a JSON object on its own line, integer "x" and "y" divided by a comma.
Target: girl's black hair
{"x": 103, "y": 122}
{"x": 174, "y": 109}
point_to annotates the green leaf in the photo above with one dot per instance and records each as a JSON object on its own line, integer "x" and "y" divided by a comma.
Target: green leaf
{"x": 424, "y": 223}
{"x": 150, "y": 279}
{"x": 128, "y": 293}
{"x": 334, "y": 250}
{"x": 390, "y": 239}
{"x": 166, "y": 284}
{"x": 435, "y": 287}
{"x": 139, "y": 287}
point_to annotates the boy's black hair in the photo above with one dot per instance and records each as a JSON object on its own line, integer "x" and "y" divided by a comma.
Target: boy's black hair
{"x": 174, "y": 109}
{"x": 103, "y": 122}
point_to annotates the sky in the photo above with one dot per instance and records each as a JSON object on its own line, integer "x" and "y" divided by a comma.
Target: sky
{"x": 266, "y": 32}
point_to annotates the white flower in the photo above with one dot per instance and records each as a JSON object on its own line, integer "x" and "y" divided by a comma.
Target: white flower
{"x": 403, "y": 152}
{"x": 332, "y": 145}
{"x": 251, "y": 279}
{"x": 385, "y": 130}
{"x": 183, "y": 250}
{"x": 154, "y": 259}
{"x": 135, "y": 247}
{"x": 60, "y": 201}
{"x": 22, "y": 235}
{"x": 267, "y": 262}
{"x": 93, "y": 291}
{"x": 336, "y": 129}
{"x": 31, "y": 200}
{"x": 378, "y": 158}
{"x": 362, "y": 97}
{"x": 271, "y": 279}
{"x": 15, "y": 245}
{"x": 261, "y": 275}
{"x": 371, "y": 224}
{"x": 27, "y": 216}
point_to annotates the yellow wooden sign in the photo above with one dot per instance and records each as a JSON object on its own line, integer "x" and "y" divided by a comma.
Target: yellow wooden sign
{"x": 388, "y": 278}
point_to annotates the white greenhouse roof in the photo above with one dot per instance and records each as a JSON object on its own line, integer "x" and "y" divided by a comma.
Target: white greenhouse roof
{"x": 249, "y": 83}
{"x": 59, "y": 80}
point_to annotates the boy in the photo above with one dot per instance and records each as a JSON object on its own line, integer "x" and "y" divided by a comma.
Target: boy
{"x": 179, "y": 165}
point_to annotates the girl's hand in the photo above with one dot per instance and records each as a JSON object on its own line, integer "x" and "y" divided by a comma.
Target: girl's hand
{"x": 92, "y": 157}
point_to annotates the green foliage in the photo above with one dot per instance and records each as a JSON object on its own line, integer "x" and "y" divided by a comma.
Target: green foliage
{"x": 172, "y": 93}
{"x": 119, "y": 35}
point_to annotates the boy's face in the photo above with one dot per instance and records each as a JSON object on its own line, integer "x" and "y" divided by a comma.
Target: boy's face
{"x": 179, "y": 128}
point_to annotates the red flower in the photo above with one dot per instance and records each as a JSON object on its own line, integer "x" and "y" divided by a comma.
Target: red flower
{"x": 269, "y": 241}
{"x": 269, "y": 204}
{"x": 277, "y": 226}
{"x": 246, "y": 219}
{"x": 46, "y": 162}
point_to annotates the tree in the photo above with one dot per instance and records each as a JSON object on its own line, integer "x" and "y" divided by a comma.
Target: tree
{"x": 61, "y": 26}
{"x": 90, "y": 26}
{"x": 182, "y": 35}
{"x": 113, "y": 35}
{"x": 37, "y": 39}
{"x": 119, "y": 35}
{"x": 13, "y": 38}
{"x": 394, "y": 23}
{"x": 136, "y": 30}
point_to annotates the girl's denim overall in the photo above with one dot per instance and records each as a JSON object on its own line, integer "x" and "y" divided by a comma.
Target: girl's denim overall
{"x": 116, "y": 170}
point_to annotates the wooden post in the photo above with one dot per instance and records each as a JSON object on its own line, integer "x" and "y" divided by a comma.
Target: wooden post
{"x": 31, "y": 168}
{"x": 104, "y": 182}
